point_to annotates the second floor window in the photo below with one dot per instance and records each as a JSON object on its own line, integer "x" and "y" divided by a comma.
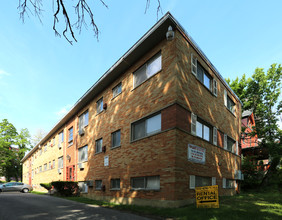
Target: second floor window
{"x": 149, "y": 69}
{"x": 98, "y": 147}
{"x": 116, "y": 139}
{"x": 203, "y": 130}
{"x": 146, "y": 127}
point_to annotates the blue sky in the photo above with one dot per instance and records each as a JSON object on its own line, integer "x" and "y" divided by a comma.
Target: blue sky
{"x": 42, "y": 76}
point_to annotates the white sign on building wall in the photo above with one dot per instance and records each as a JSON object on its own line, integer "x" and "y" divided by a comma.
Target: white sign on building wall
{"x": 196, "y": 154}
{"x": 106, "y": 161}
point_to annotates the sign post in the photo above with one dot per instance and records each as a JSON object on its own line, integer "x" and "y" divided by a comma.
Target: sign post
{"x": 207, "y": 197}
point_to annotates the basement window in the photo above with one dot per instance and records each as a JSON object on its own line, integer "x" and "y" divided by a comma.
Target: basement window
{"x": 115, "y": 184}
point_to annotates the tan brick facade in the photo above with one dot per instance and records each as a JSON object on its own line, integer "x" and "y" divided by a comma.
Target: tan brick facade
{"x": 176, "y": 94}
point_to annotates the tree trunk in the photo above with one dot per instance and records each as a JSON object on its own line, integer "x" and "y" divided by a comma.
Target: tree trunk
{"x": 271, "y": 171}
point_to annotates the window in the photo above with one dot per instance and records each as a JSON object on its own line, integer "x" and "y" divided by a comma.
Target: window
{"x": 99, "y": 105}
{"x": 115, "y": 183}
{"x": 45, "y": 166}
{"x": 70, "y": 134}
{"x": 83, "y": 120}
{"x": 61, "y": 138}
{"x": 203, "y": 76}
{"x": 53, "y": 165}
{"x": 45, "y": 147}
{"x": 83, "y": 187}
{"x": 202, "y": 181}
{"x": 198, "y": 181}
{"x": 98, "y": 146}
{"x": 228, "y": 183}
{"x": 98, "y": 184}
{"x": 60, "y": 162}
{"x": 148, "y": 182}
{"x": 40, "y": 169}
{"x": 83, "y": 154}
{"x": 116, "y": 139}
{"x": 200, "y": 128}
{"x": 149, "y": 69}
{"x": 117, "y": 90}
{"x": 40, "y": 152}
{"x": 229, "y": 103}
{"x": 146, "y": 127}
{"x": 50, "y": 165}
{"x": 230, "y": 144}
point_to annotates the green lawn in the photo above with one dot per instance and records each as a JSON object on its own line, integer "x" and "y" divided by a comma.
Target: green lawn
{"x": 254, "y": 205}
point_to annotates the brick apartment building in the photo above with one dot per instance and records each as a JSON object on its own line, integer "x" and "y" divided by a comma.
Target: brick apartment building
{"x": 159, "y": 122}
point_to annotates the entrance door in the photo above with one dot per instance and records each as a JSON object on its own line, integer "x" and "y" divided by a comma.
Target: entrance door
{"x": 70, "y": 173}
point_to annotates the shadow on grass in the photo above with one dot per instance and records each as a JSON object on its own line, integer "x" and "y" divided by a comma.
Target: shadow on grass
{"x": 248, "y": 205}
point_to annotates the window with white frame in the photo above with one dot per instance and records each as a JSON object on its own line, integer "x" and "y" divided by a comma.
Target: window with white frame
{"x": 98, "y": 184}
{"x": 60, "y": 162}
{"x": 83, "y": 120}
{"x": 228, "y": 102}
{"x": 147, "y": 70}
{"x": 83, "y": 154}
{"x": 198, "y": 181}
{"x": 117, "y": 90}
{"x": 146, "y": 127}
{"x": 53, "y": 164}
{"x": 230, "y": 144}
{"x": 203, "y": 76}
{"x": 40, "y": 169}
{"x": 115, "y": 183}
{"x": 99, "y": 105}
{"x": 145, "y": 183}
{"x": 200, "y": 128}
{"x": 98, "y": 145}
{"x": 45, "y": 147}
{"x": 83, "y": 187}
{"x": 116, "y": 139}
{"x": 228, "y": 183}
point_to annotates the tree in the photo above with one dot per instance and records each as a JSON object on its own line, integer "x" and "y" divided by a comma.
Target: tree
{"x": 13, "y": 146}
{"x": 83, "y": 10}
{"x": 261, "y": 93}
{"x": 40, "y": 133}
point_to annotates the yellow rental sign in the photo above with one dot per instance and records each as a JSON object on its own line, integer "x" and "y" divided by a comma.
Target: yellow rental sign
{"x": 207, "y": 197}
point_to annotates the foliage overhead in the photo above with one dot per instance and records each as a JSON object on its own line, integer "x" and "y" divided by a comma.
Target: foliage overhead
{"x": 76, "y": 14}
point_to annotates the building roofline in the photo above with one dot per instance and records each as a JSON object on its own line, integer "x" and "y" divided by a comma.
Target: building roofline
{"x": 151, "y": 37}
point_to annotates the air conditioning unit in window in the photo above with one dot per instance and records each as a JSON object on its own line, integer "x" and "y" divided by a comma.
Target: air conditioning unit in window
{"x": 81, "y": 131}
{"x": 81, "y": 165}
{"x": 59, "y": 171}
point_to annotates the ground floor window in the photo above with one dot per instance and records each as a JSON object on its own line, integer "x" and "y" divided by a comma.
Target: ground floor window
{"x": 147, "y": 183}
{"x": 198, "y": 181}
{"x": 83, "y": 187}
{"x": 115, "y": 184}
{"x": 98, "y": 184}
{"x": 228, "y": 183}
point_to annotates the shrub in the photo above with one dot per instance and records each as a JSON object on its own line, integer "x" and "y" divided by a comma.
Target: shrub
{"x": 66, "y": 188}
{"x": 47, "y": 186}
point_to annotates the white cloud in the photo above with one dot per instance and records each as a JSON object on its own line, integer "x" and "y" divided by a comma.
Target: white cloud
{"x": 64, "y": 110}
{"x": 4, "y": 73}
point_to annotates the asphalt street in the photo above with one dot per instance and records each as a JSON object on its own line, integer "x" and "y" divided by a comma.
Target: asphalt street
{"x": 30, "y": 206}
